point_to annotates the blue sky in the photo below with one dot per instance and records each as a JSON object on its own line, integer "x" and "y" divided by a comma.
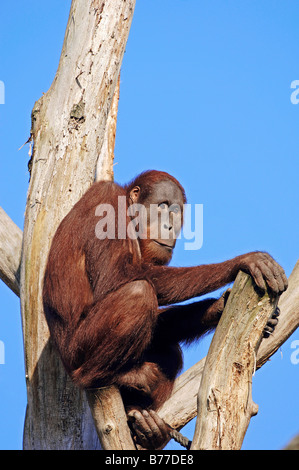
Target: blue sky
{"x": 205, "y": 95}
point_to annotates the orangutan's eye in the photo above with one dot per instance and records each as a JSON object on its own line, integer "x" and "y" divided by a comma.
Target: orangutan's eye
{"x": 175, "y": 208}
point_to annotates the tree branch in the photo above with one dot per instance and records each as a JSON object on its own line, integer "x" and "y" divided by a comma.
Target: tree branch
{"x": 10, "y": 252}
{"x": 110, "y": 418}
{"x": 293, "y": 444}
{"x": 225, "y": 404}
{"x": 181, "y": 407}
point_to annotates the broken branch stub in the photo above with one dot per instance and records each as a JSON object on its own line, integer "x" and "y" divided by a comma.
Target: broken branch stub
{"x": 225, "y": 404}
{"x": 10, "y": 252}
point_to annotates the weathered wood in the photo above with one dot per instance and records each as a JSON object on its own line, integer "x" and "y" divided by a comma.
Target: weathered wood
{"x": 110, "y": 418}
{"x": 10, "y": 252}
{"x": 225, "y": 404}
{"x": 69, "y": 127}
{"x": 181, "y": 407}
{"x": 293, "y": 444}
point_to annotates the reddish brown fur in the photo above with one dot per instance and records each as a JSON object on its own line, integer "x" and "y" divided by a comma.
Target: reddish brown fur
{"x": 147, "y": 180}
{"x": 101, "y": 302}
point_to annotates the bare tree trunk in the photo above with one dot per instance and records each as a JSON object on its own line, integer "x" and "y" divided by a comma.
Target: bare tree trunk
{"x": 69, "y": 125}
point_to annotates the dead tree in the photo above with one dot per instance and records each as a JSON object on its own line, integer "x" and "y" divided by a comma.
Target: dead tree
{"x": 73, "y": 131}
